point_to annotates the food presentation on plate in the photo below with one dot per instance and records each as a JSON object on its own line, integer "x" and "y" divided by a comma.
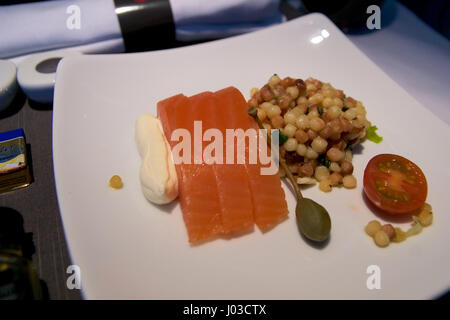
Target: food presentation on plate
{"x": 317, "y": 127}
{"x": 236, "y": 170}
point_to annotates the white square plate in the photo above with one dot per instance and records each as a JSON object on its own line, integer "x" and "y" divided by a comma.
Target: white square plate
{"x": 128, "y": 248}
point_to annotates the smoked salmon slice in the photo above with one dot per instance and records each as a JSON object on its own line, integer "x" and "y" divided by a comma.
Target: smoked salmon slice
{"x": 197, "y": 189}
{"x": 220, "y": 198}
{"x": 232, "y": 180}
{"x": 268, "y": 198}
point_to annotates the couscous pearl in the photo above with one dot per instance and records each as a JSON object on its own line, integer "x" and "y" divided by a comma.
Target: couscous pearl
{"x": 290, "y": 118}
{"x": 381, "y": 239}
{"x": 302, "y": 122}
{"x": 325, "y": 185}
{"x": 346, "y": 167}
{"x": 313, "y": 114}
{"x": 350, "y": 114}
{"x": 291, "y": 144}
{"x": 312, "y": 134}
{"x": 334, "y": 112}
{"x": 317, "y": 98}
{"x": 349, "y": 181}
{"x": 253, "y": 91}
{"x": 327, "y": 92}
{"x": 273, "y": 111}
{"x": 311, "y": 154}
{"x": 274, "y": 80}
{"x": 360, "y": 110}
{"x": 321, "y": 173}
{"x": 316, "y": 124}
{"x": 301, "y": 136}
{"x": 348, "y": 155}
{"x": 302, "y": 99}
{"x": 319, "y": 144}
{"x": 335, "y": 178}
{"x": 327, "y": 102}
{"x": 297, "y": 111}
{"x": 293, "y": 92}
{"x": 266, "y": 106}
{"x": 277, "y": 121}
{"x": 334, "y": 154}
{"x": 389, "y": 229}
{"x": 361, "y": 118}
{"x": 289, "y": 130}
{"x": 335, "y": 167}
{"x": 301, "y": 149}
{"x": 338, "y": 102}
{"x": 372, "y": 227}
{"x": 262, "y": 114}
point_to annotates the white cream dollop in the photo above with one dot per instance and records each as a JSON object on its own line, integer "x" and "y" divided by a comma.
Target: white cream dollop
{"x": 157, "y": 173}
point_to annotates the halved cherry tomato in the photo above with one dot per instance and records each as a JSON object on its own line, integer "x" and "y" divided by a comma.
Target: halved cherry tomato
{"x": 395, "y": 184}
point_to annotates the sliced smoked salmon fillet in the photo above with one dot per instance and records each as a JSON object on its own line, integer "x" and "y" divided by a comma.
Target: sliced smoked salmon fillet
{"x": 231, "y": 179}
{"x": 268, "y": 198}
{"x": 220, "y": 198}
{"x": 197, "y": 188}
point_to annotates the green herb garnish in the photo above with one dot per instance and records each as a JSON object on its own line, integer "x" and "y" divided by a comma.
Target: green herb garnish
{"x": 307, "y": 111}
{"x": 320, "y": 110}
{"x": 282, "y": 137}
{"x": 372, "y": 135}
{"x": 344, "y": 109}
{"x": 322, "y": 159}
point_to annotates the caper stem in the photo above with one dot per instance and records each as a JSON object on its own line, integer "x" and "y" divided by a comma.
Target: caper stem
{"x": 252, "y": 111}
{"x": 291, "y": 179}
